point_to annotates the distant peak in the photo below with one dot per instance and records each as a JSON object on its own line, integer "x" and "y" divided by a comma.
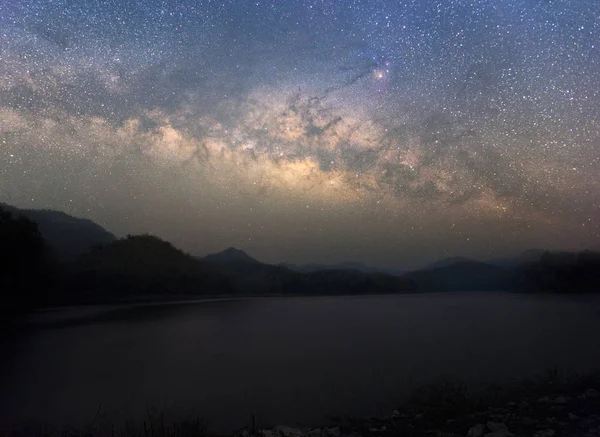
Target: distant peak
{"x": 232, "y": 249}
{"x": 230, "y": 255}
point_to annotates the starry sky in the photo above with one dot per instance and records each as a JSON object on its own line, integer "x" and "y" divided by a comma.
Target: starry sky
{"x": 387, "y": 132}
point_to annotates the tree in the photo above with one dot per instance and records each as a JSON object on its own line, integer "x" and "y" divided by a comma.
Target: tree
{"x": 23, "y": 266}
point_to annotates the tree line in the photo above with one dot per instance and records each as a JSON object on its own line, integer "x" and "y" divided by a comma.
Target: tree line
{"x": 144, "y": 265}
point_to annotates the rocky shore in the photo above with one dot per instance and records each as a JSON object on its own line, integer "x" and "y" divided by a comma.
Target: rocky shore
{"x": 551, "y": 408}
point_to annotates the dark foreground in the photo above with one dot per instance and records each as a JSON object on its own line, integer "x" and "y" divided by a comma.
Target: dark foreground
{"x": 555, "y": 406}
{"x": 289, "y": 361}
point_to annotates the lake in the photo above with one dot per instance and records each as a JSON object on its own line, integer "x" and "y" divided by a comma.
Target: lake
{"x": 288, "y": 360}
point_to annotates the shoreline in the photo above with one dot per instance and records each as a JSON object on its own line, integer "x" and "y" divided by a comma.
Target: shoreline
{"x": 553, "y": 406}
{"x": 182, "y": 299}
{"x": 59, "y": 315}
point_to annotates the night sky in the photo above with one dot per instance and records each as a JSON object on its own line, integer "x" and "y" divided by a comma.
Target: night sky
{"x": 388, "y": 132}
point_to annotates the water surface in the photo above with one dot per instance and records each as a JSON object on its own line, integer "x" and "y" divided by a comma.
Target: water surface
{"x": 288, "y": 360}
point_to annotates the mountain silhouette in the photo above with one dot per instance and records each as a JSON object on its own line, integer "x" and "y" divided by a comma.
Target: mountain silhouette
{"x": 97, "y": 267}
{"x": 346, "y": 265}
{"x": 444, "y": 262}
{"x": 525, "y": 258}
{"x": 67, "y": 236}
{"x": 251, "y": 276}
{"x": 142, "y": 265}
{"x": 230, "y": 256}
{"x": 463, "y": 275}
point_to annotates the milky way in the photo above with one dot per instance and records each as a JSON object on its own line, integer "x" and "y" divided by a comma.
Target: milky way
{"x": 388, "y": 132}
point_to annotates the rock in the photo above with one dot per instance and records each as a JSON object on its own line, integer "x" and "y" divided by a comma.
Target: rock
{"x": 419, "y": 416}
{"x": 286, "y": 431}
{"x": 374, "y": 430}
{"x": 317, "y": 432}
{"x": 573, "y": 416}
{"x": 395, "y": 414}
{"x": 524, "y": 405}
{"x": 587, "y": 422}
{"x": 544, "y": 400}
{"x": 560, "y": 400}
{"x": 527, "y": 421}
{"x": 268, "y": 433}
{"x": 335, "y": 432}
{"x": 505, "y": 433}
{"x": 591, "y": 393}
{"x": 545, "y": 433}
{"x": 497, "y": 426}
{"x": 476, "y": 431}
{"x": 498, "y": 429}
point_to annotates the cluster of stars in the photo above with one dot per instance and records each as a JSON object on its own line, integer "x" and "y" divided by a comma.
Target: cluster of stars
{"x": 483, "y": 115}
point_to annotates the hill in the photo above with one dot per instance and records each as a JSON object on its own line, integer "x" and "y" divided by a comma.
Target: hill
{"x": 564, "y": 272}
{"x": 229, "y": 257}
{"x": 445, "y": 262}
{"x": 145, "y": 265}
{"x": 347, "y": 265}
{"x": 525, "y": 258}
{"x": 355, "y": 282}
{"x": 142, "y": 264}
{"x": 464, "y": 275}
{"x": 67, "y": 236}
{"x": 250, "y": 276}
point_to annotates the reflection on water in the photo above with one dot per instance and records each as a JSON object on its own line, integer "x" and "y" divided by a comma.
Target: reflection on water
{"x": 288, "y": 360}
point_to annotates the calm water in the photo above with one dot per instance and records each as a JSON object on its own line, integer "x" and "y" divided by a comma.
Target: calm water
{"x": 289, "y": 360}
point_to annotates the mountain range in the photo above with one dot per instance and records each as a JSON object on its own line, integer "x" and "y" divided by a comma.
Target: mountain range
{"x": 464, "y": 275}
{"x": 67, "y": 236}
{"x": 230, "y": 256}
{"x": 347, "y": 265}
{"x": 101, "y": 265}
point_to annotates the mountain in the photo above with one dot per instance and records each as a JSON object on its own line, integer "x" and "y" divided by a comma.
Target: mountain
{"x": 444, "y": 262}
{"x": 250, "y": 276}
{"x": 528, "y": 257}
{"x": 144, "y": 264}
{"x": 314, "y": 267}
{"x": 466, "y": 275}
{"x": 564, "y": 272}
{"x": 67, "y": 236}
{"x": 355, "y": 282}
{"x": 230, "y": 256}
{"x": 348, "y": 265}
